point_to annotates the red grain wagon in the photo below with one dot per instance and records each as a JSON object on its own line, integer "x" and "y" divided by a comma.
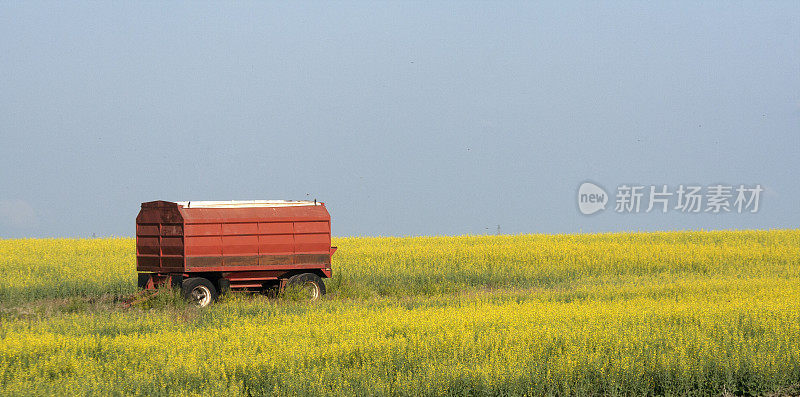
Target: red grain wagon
{"x": 206, "y": 247}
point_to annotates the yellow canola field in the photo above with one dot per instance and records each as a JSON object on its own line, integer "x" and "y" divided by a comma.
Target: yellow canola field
{"x": 610, "y": 314}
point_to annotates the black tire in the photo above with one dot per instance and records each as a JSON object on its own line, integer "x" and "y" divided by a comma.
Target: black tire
{"x": 199, "y": 291}
{"x": 143, "y": 279}
{"x": 310, "y": 286}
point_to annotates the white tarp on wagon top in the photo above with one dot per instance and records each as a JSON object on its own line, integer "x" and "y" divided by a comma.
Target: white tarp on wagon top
{"x": 246, "y": 203}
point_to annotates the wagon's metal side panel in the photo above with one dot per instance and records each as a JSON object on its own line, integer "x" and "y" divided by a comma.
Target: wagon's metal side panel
{"x": 257, "y": 238}
{"x": 203, "y": 244}
{"x": 240, "y": 244}
{"x": 312, "y": 241}
{"x": 275, "y": 243}
{"x": 159, "y": 238}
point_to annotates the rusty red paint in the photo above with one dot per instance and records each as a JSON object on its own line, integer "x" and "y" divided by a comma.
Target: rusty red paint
{"x": 269, "y": 240}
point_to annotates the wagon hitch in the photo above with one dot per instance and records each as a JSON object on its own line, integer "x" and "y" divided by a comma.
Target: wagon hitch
{"x": 155, "y": 285}
{"x": 141, "y": 297}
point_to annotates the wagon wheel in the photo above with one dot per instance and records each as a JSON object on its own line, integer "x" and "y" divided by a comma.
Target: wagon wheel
{"x": 199, "y": 291}
{"x": 305, "y": 286}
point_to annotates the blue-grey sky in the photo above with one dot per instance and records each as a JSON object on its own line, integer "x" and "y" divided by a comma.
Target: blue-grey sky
{"x": 405, "y": 118}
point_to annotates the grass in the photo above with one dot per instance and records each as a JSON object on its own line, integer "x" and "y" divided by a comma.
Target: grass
{"x": 701, "y": 313}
